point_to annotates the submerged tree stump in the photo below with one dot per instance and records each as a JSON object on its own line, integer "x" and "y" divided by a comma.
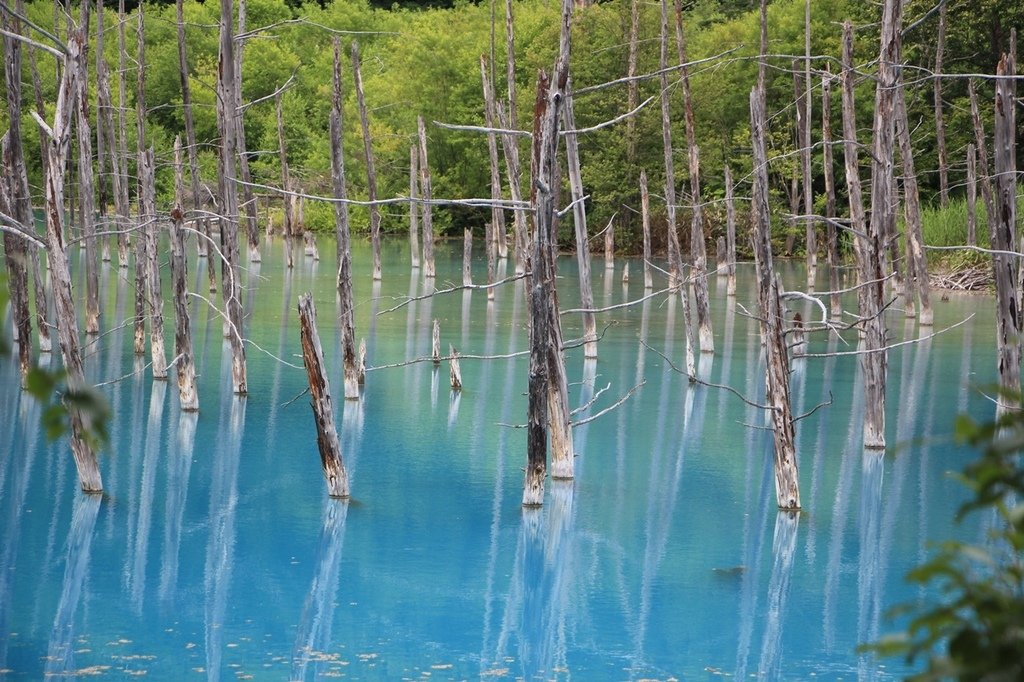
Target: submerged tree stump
{"x": 320, "y": 392}
{"x": 179, "y": 276}
{"x": 427, "y": 194}
{"x": 455, "y": 371}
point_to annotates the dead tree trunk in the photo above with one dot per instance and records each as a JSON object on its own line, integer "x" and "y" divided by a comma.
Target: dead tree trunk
{"x": 67, "y": 324}
{"x": 985, "y": 180}
{"x": 38, "y": 279}
{"x": 787, "y": 479}
{"x": 320, "y": 400}
{"x": 674, "y": 255}
{"x": 467, "y": 258}
{"x": 102, "y": 134}
{"x": 341, "y": 229}
{"x": 286, "y": 183}
{"x": 371, "y": 172}
{"x": 498, "y": 230}
{"x": 227, "y": 106}
{"x": 645, "y": 219}
{"x": 186, "y": 367}
{"x": 805, "y": 154}
{"x": 831, "y": 233}
{"x": 454, "y": 370}
{"x": 972, "y": 195}
{"x": 140, "y": 150}
{"x": 698, "y": 246}
{"x": 16, "y": 179}
{"x": 940, "y": 126}
{"x": 579, "y": 215}
{"x": 609, "y": 246}
{"x": 435, "y": 343}
{"x": 427, "y": 194}
{"x": 1004, "y": 238}
{"x": 917, "y": 263}
{"x": 730, "y": 234}
{"x": 106, "y": 147}
{"x": 510, "y": 148}
{"x": 414, "y": 218}
{"x": 632, "y": 87}
{"x": 252, "y": 231}
{"x": 122, "y": 128}
{"x": 87, "y": 196}
{"x": 190, "y": 132}
{"x": 154, "y": 296}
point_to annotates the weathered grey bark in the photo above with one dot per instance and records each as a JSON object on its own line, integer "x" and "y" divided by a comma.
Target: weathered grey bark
{"x": 106, "y": 147}
{"x": 831, "y": 233}
{"x": 342, "y": 232}
{"x": 38, "y": 278}
{"x": 510, "y": 145}
{"x": 674, "y": 255}
{"x": 435, "y": 343}
{"x": 154, "y": 296}
{"x": 454, "y": 370}
{"x": 730, "y": 234}
{"x": 972, "y": 195}
{"x": 427, "y": 194}
{"x": 940, "y": 126}
{"x": 498, "y": 229}
{"x": 371, "y": 172}
{"x": 916, "y": 281}
{"x": 320, "y": 400}
{"x": 102, "y": 132}
{"x": 984, "y": 179}
{"x": 190, "y": 133}
{"x": 141, "y": 243}
{"x": 87, "y": 194}
{"x": 227, "y": 106}
{"x": 645, "y": 219}
{"x": 787, "y": 479}
{"x": 1004, "y": 237}
{"x": 698, "y": 247}
{"x": 15, "y": 178}
{"x": 579, "y": 216}
{"x": 467, "y": 257}
{"x": 67, "y": 323}
{"x": 186, "y": 367}
{"x": 414, "y": 216}
{"x": 609, "y": 246}
{"x": 122, "y": 129}
{"x": 286, "y": 184}
{"x": 249, "y": 201}
{"x": 632, "y": 86}
{"x": 805, "y": 154}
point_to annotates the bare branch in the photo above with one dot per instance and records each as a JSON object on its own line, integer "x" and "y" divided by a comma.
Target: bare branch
{"x": 611, "y": 407}
{"x": 866, "y": 351}
{"x": 471, "y": 287}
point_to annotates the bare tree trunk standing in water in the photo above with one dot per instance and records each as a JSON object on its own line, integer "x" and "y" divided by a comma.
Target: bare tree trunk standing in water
{"x": 916, "y": 281}
{"x": 15, "y": 249}
{"x": 414, "y": 209}
{"x": 510, "y": 145}
{"x": 831, "y": 233}
{"x": 87, "y": 195}
{"x": 190, "y": 137}
{"x": 579, "y": 214}
{"x": 730, "y": 234}
{"x": 496, "y": 241}
{"x": 1007, "y": 268}
{"x": 645, "y": 220}
{"x": 286, "y": 184}
{"x": 940, "y": 126}
{"x": 698, "y": 247}
{"x": 67, "y": 323}
{"x": 674, "y": 256}
{"x": 140, "y": 150}
{"x": 102, "y": 134}
{"x": 243, "y": 156}
{"x": 881, "y": 227}
{"x": 427, "y": 194}
{"x": 151, "y": 235}
{"x": 186, "y": 366}
{"x": 371, "y": 171}
{"x": 632, "y": 87}
{"x": 804, "y": 118}
{"x": 227, "y": 106}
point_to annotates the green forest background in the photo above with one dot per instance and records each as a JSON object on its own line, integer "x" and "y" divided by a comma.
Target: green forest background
{"x": 423, "y": 59}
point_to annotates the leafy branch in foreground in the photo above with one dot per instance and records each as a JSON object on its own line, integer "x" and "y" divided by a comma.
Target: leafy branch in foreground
{"x": 976, "y": 632}
{"x": 50, "y": 388}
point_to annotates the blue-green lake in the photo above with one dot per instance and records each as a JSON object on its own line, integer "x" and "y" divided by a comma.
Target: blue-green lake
{"x": 215, "y": 552}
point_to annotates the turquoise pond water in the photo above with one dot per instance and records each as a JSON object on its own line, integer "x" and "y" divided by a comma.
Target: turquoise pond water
{"x": 216, "y": 553}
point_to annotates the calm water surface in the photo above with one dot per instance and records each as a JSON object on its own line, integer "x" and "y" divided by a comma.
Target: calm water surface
{"x": 215, "y": 552}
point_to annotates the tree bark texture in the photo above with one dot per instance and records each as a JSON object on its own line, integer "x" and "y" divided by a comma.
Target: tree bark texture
{"x": 190, "y": 129}
{"x": 414, "y": 209}
{"x": 371, "y": 172}
{"x": 940, "y": 126}
{"x": 249, "y": 201}
{"x": 787, "y": 479}
{"x": 427, "y": 194}
{"x": 498, "y": 230}
{"x": 141, "y": 242}
{"x": 154, "y": 295}
{"x": 674, "y": 255}
{"x": 645, "y": 219}
{"x": 467, "y": 257}
{"x": 320, "y": 400}
{"x": 186, "y": 367}
{"x": 916, "y": 281}
{"x": 730, "y": 234}
{"x": 342, "y": 232}
{"x": 286, "y": 184}
{"x": 831, "y": 233}
{"x": 579, "y": 215}
{"x": 87, "y": 196}
{"x": 227, "y": 106}
{"x": 972, "y": 195}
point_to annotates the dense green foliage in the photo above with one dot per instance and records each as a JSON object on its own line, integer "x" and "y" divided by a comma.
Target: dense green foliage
{"x": 976, "y": 632}
{"x": 425, "y": 62}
